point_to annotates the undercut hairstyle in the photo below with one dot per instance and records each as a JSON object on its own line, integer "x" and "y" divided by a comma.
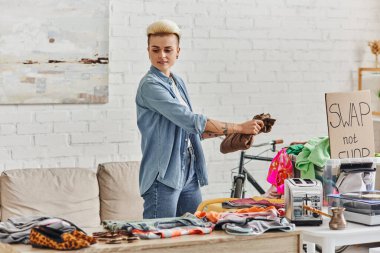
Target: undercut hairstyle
{"x": 162, "y": 28}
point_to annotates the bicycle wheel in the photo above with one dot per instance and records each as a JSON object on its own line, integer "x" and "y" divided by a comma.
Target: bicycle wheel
{"x": 238, "y": 188}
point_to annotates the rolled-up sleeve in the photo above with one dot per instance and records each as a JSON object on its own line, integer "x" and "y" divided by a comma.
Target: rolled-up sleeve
{"x": 157, "y": 98}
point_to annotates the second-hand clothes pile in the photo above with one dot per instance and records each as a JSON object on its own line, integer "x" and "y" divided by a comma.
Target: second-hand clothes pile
{"x": 249, "y": 216}
{"x": 187, "y": 224}
{"x": 308, "y": 158}
{"x": 258, "y": 217}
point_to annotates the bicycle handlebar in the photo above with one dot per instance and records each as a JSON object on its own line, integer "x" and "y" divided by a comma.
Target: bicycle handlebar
{"x": 272, "y": 142}
{"x": 278, "y": 141}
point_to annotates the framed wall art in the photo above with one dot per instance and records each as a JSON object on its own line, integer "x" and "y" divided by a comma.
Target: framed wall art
{"x": 54, "y": 52}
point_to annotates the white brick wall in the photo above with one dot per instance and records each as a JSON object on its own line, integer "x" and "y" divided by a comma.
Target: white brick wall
{"x": 239, "y": 58}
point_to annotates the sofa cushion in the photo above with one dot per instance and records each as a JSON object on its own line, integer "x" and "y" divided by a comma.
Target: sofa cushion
{"x": 68, "y": 193}
{"x": 119, "y": 191}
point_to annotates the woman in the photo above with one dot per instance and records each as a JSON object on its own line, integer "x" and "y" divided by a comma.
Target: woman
{"x": 173, "y": 166}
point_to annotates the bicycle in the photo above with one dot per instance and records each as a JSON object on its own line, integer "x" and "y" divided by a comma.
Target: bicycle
{"x": 237, "y": 190}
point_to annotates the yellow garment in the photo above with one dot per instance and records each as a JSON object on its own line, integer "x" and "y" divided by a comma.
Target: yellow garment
{"x": 216, "y": 204}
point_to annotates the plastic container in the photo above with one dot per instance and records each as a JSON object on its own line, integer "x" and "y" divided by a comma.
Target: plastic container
{"x": 332, "y": 170}
{"x": 357, "y": 205}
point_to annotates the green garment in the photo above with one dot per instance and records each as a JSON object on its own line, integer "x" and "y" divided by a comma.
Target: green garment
{"x": 315, "y": 153}
{"x": 294, "y": 149}
{"x": 377, "y": 155}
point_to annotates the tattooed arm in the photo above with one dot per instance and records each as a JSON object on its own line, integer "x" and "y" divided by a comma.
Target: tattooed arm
{"x": 216, "y": 128}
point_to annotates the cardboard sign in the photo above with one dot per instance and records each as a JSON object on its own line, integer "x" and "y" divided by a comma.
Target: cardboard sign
{"x": 350, "y": 124}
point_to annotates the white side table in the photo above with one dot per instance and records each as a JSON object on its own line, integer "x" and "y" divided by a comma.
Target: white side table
{"x": 329, "y": 239}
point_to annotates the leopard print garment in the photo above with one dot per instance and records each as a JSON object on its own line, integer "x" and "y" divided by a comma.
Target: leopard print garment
{"x": 67, "y": 241}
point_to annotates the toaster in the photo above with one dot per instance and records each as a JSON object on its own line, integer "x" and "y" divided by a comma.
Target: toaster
{"x": 300, "y": 192}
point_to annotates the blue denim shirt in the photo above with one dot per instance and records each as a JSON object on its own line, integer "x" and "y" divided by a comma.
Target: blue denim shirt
{"x": 166, "y": 125}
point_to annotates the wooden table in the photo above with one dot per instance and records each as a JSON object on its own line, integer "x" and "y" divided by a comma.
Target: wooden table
{"x": 216, "y": 242}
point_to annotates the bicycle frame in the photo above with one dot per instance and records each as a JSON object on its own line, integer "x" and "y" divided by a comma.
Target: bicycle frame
{"x": 248, "y": 176}
{"x": 237, "y": 190}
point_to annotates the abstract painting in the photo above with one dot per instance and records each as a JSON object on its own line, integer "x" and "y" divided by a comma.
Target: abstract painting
{"x": 54, "y": 52}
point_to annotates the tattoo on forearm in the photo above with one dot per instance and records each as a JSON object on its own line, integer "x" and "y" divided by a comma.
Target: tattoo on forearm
{"x": 217, "y": 128}
{"x": 207, "y": 135}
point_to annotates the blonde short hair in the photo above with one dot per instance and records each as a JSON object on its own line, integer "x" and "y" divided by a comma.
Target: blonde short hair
{"x": 163, "y": 27}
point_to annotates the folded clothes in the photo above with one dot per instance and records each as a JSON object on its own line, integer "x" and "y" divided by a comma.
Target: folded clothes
{"x": 259, "y": 226}
{"x": 17, "y": 229}
{"x": 161, "y": 228}
{"x": 248, "y": 223}
{"x": 235, "y": 142}
{"x": 253, "y": 212}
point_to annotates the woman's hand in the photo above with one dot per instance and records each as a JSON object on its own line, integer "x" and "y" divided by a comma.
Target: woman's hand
{"x": 216, "y": 128}
{"x": 251, "y": 126}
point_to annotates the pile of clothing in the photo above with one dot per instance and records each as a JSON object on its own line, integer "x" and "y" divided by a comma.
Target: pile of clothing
{"x": 250, "y": 221}
{"x": 187, "y": 224}
{"x": 44, "y": 232}
{"x": 308, "y": 158}
{"x": 253, "y": 217}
